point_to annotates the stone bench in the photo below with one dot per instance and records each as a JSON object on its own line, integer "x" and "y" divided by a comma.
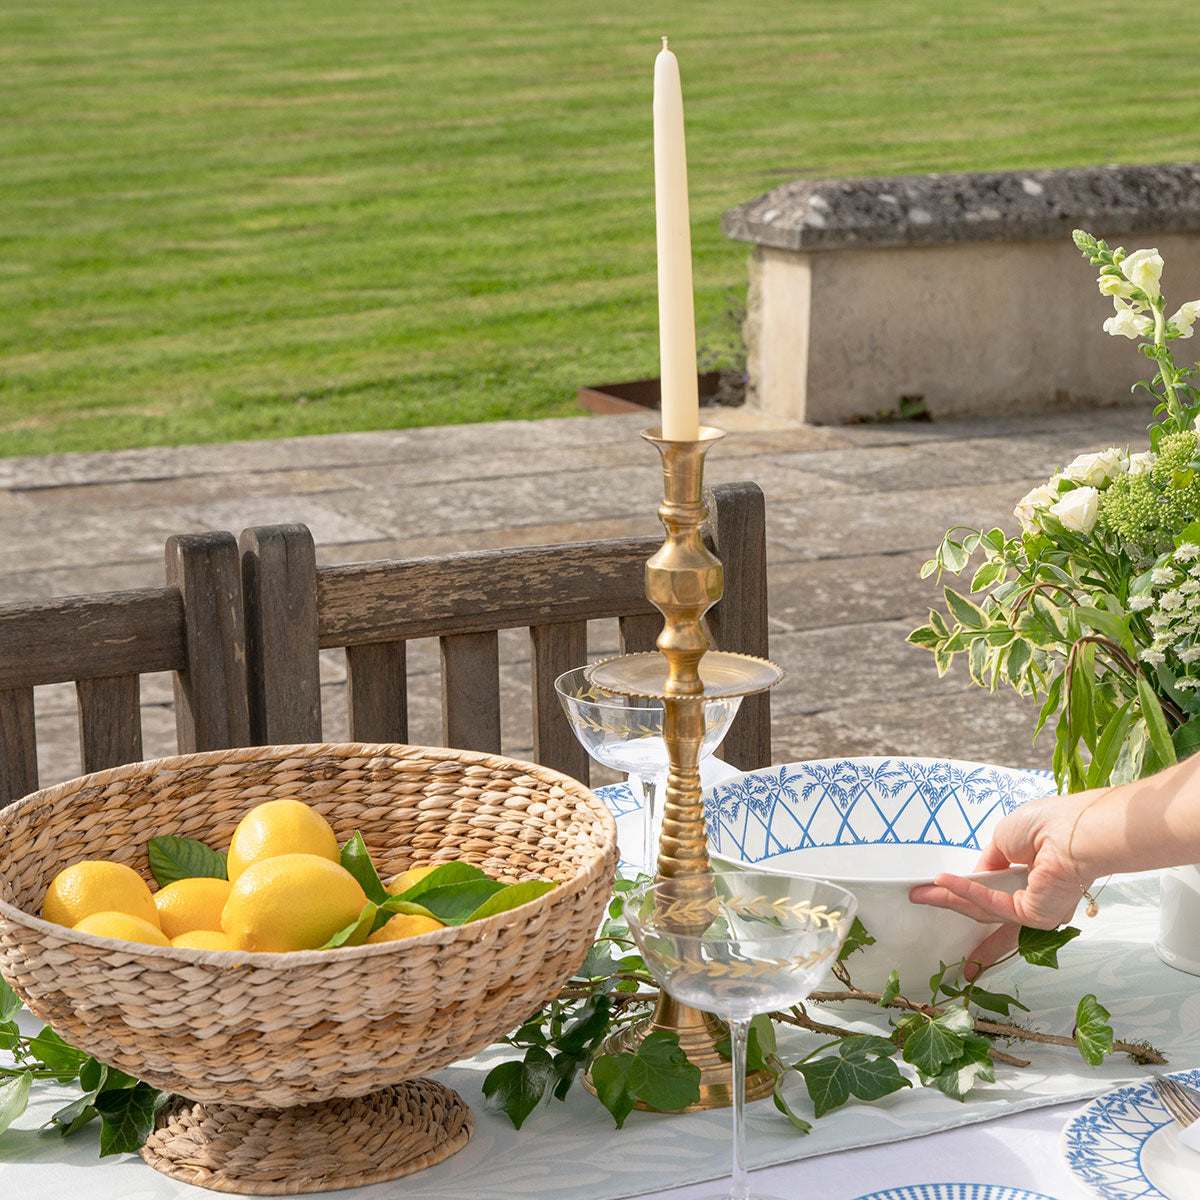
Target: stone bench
{"x": 965, "y": 290}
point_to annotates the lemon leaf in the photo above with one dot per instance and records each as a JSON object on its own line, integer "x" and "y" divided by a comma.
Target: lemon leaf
{"x": 356, "y": 932}
{"x": 445, "y": 875}
{"x": 456, "y": 903}
{"x": 387, "y": 911}
{"x": 173, "y": 858}
{"x": 356, "y": 858}
{"x": 512, "y": 896}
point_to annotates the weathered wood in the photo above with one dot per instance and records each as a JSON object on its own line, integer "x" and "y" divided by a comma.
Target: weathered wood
{"x": 640, "y": 633}
{"x": 211, "y": 710}
{"x": 553, "y": 650}
{"x": 471, "y": 691}
{"x": 91, "y": 637}
{"x": 377, "y": 692}
{"x": 482, "y": 590}
{"x": 737, "y": 528}
{"x": 283, "y": 668}
{"x": 110, "y": 722}
{"x": 18, "y": 745}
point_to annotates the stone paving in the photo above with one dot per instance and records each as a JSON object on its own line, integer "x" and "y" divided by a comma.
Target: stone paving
{"x": 852, "y": 512}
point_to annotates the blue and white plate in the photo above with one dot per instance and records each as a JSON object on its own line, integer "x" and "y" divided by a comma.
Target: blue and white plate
{"x": 956, "y": 1191}
{"x": 1123, "y": 1146}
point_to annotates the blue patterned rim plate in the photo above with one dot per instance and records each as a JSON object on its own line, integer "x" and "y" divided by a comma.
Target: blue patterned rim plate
{"x": 956, "y": 1191}
{"x": 1122, "y": 1146}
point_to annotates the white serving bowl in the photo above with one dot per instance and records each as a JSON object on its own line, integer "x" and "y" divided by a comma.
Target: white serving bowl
{"x": 878, "y": 827}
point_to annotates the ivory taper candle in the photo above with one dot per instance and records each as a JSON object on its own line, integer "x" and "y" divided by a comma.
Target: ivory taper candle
{"x": 676, "y": 311}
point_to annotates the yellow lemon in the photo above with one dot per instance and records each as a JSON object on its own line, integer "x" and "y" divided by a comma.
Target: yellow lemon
{"x": 193, "y": 903}
{"x": 404, "y": 925}
{"x": 406, "y": 879}
{"x": 123, "y": 927}
{"x": 97, "y": 885}
{"x": 203, "y": 939}
{"x": 280, "y": 827}
{"x": 291, "y": 902}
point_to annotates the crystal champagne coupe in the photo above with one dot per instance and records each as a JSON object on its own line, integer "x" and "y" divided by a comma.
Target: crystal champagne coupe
{"x": 738, "y": 943}
{"x": 626, "y": 733}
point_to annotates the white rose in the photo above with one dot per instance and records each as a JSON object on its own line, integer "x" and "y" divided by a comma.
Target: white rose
{"x": 1096, "y": 469}
{"x": 1127, "y": 322}
{"x": 1143, "y": 268}
{"x": 1140, "y": 462}
{"x": 1185, "y": 317}
{"x": 1078, "y": 509}
{"x": 1042, "y": 497}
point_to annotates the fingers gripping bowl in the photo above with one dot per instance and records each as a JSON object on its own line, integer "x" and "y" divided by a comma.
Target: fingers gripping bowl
{"x": 281, "y": 1030}
{"x": 877, "y": 827}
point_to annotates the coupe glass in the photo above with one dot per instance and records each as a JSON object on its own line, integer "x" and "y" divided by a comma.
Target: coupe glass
{"x": 626, "y": 733}
{"x": 738, "y": 943}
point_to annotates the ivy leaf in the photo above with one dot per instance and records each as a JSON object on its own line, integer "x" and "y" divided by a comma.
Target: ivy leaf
{"x": 939, "y": 1040}
{"x": 610, "y": 1078}
{"x": 856, "y": 939}
{"x": 997, "y": 1002}
{"x": 1093, "y": 1034}
{"x": 511, "y": 895}
{"x": 356, "y": 859}
{"x": 517, "y": 1087}
{"x": 891, "y": 989}
{"x": 10, "y": 1002}
{"x": 1040, "y": 947}
{"x": 756, "y": 1053}
{"x": 973, "y": 1064}
{"x": 76, "y": 1115}
{"x": 61, "y": 1057}
{"x": 599, "y": 963}
{"x": 782, "y": 1105}
{"x": 127, "y": 1117}
{"x": 831, "y": 1080}
{"x": 661, "y": 1074}
{"x": 173, "y": 858}
{"x": 14, "y": 1098}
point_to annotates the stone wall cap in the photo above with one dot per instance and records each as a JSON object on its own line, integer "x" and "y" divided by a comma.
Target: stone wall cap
{"x": 921, "y": 210}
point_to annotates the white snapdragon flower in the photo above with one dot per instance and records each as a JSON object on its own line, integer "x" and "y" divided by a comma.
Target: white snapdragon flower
{"x": 1140, "y": 462}
{"x": 1143, "y": 268}
{"x": 1041, "y": 497}
{"x": 1140, "y": 603}
{"x": 1097, "y": 469}
{"x": 1115, "y": 285}
{"x": 1185, "y": 317}
{"x": 1161, "y": 575}
{"x": 1078, "y": 509}
{"x": 1128, "y": 323}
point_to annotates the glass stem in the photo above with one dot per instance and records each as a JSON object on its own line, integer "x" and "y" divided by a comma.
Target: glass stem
{"x": 739, "y": 1184}
{"x": 649, "y": 826}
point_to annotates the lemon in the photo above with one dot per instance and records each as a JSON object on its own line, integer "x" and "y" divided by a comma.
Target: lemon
{"x": 193, "y": 903}
{"x": 404, "y": 925}
{"x": 280, "y": 827}
{"x": 97, "y": 885}
{"x": 203, "y": 939}
{"x": 122, "y": 926}
{"x": 291, "y": 902}
{"x": 406, "y": 879}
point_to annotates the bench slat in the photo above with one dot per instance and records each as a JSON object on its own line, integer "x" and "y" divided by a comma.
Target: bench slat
{"x": 110, "y": 722}
{"x": 377, "y": 692}
{"x": 471, "y": 691}
{"x": 18, "y": 745}
{"x": 555, "y": 649}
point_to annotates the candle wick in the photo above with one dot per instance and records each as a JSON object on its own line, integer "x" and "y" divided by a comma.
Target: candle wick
{"x": 664, "y": 43}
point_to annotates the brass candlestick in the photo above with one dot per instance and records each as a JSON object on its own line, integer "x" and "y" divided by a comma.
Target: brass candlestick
{"x": 683, "y": 581}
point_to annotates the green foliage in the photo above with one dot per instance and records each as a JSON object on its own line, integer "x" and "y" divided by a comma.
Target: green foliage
{"x": 173, "y": 858}
{"x": 1093, "y": 1034}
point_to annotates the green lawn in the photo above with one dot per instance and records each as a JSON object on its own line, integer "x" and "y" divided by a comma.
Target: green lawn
{"x": 241, "y": 219}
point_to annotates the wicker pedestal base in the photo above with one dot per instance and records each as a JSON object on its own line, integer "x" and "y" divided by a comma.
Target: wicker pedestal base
{"x": 312, "y": 1147}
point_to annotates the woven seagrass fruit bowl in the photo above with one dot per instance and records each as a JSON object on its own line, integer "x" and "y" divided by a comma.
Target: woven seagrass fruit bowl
{"x": 277, "y": 1031}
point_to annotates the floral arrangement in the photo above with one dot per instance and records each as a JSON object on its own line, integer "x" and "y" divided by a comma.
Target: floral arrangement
{"x": 1094, "y": 608}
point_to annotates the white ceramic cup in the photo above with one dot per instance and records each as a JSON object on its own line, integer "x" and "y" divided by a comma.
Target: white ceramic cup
{"x": 1178, "y": 942}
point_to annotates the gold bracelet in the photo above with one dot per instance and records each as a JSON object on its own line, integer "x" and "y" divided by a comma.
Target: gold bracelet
{"x": 1093, "y": 905}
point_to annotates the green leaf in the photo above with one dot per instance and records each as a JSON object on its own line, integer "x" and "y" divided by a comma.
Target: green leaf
{"x": 516, "y": 1088}
{"x": 356, "y": 858}
{"x": 395, "y": 905}
{"x": 127, "y": 1118}
{"x": 610, "y": 1078}
{"x": 856, "y": 939}
{"x": 834, "y": 1078}
{"x": 443, "y": 876}
{"x": 1112, "y": 626}
{"x": 10, "y": 1002}
{"x": 762, "y": 1033}
{"x": 75, "y": 1116}
{"x": 59, "y": 1056}
{"x": 599, "y": 963}
{"x": 1019, "y": 655}
{"x": 974, "y": 1063}
{"x": 863, "y": 1045}
{"x": 928, "y": 567}
{"x": 1040, "y": 947}
{"x": 357, "y": 932}
{"x": 1186, "y": 738}
{"x": 988, "y": 573}
{"x": 1080, "y": 698}
{"x": 511, "y": 896}
{"x": 173, "y": 858}
{"x": 14, "y": 1098}
{"x": 661, "y": 1074}
{"x": 1108, "y": 748}
{"x": 966, "y": 612}
{"x": 782, "y": 1105}
{"x": 952, "y": 555}
{"x": 938, "y": 1041}
{"x": 891, "y": 989}
{"x": 925, "y": 636}
{"x": 1093, "y": 1034}
{"x": 457, "y": 903}
{"x": 997, "y": 1002}
{"x": 1156, "y": 723}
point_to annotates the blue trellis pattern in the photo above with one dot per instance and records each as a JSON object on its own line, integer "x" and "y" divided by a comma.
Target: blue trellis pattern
{"x": 851, "y": 801}
{"x": 1103, "y": 1144}
{"x": 956, "y": 1191}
